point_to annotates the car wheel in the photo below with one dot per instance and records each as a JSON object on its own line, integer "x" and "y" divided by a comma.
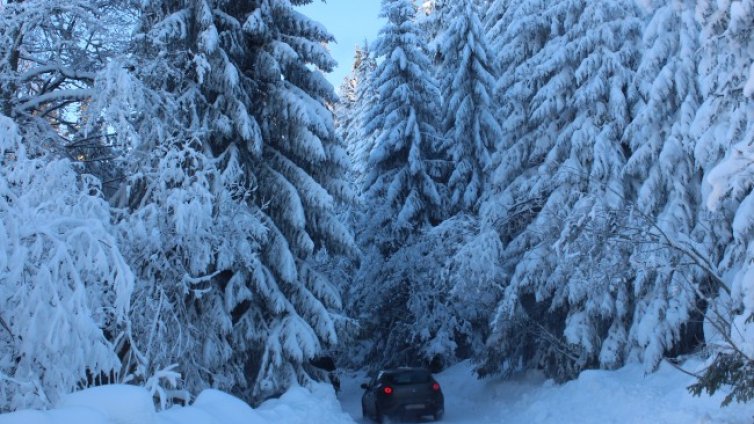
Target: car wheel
{"x": 378, "y": 417}
{"x": 438, "y": 415}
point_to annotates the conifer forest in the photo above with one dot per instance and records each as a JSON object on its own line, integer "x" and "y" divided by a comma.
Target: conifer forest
{"x": 186, "y": 202}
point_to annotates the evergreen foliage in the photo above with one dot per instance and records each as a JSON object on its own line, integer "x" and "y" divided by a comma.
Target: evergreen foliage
{"x": 728, "y": 369}
{"x": 669, "y": 297}
{"x": 357, "y": 95}
{"x": 723, "y": 137}
{"x": 234, "y": 189}
{"x": 433, "y": 19}
{"x": 399, "y": 182}
{"x": 563, "y": 259}
{"x": 401, "y": 197}
{"x": 467, "y": 81}
{"x": 561, "y": 185}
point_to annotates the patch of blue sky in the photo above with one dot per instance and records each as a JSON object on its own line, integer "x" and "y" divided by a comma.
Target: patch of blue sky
{"x": 351, "y": 22}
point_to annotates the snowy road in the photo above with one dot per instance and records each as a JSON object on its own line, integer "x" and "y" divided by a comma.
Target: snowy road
{"x": 467, "y": 401}
{"x": 626, "y": 396}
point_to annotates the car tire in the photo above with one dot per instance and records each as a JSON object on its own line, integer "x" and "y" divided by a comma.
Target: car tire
{"x": 438, "y": 415}
{"x": 378, "y": 417}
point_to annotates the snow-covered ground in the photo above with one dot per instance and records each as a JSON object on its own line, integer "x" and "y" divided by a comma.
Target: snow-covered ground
{"x": 600, "y": 397}
{"x": 120, "y": 404}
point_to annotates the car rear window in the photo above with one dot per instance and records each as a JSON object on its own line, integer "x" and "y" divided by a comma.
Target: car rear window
{"x": 407, "y": 377}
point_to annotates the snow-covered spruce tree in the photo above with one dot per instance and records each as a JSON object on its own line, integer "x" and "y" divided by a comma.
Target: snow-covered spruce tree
{"x": 300, "y": 174}
{"x": 447, "y": 274}
{"x": 520, "y": 32}
{"x": 64, "y": 286}
{"x": 344, "y": 110}
{"x": 401, "y": 198}
{"x": 401, "y": 163}
{"x": 494, "y": 14}
{"x": 471, "y": 130}
{"x": 357, "y": 96}
{"x": 469, "y": 258}
{"x": 433, "y": 18}
{"x": 665, "y": 188}
{"x": 728, "y": 326}
{"x": 559, "y": 213}
{"x": 235, "y": 187}
{"x": 724, "y": 136}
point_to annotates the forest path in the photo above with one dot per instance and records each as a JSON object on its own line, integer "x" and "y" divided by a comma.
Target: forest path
{"x": 467, "y": 400}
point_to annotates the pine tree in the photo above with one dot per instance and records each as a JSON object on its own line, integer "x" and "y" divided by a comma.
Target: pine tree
{"x": 521, "y": 31}
{"x": 399, "y": 182}
{"x": 433, "y": 19}
{"x": 242, "y": 177}
{"x": 666, "y": 189}
{"x": 345, "y": 120}
{"x": 357, "y": 95}
{"x": 566, "y": 289}
{"x": 471, "y": 130}
{"x": 497, "y": 18}
{"x": 401, "y": 197}
{"x": 724, "y": 135}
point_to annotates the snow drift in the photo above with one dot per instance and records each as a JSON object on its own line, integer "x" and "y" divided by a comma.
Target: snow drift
{"x": 122, "y": 404}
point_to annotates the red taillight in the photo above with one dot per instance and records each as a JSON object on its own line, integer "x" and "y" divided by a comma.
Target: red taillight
{"x": 436, "y": 386}
{"x": 388, "y": 390}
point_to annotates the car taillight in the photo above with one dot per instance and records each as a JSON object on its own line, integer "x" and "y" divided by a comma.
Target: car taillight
{"x": 436, "y": 387}
{"x": 388, "y": 390}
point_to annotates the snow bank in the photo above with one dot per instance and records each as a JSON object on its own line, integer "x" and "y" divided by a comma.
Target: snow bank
{"x": 212, "y": 407}
{"x": 628, "y": 395}
{"x": 121, "y": 404}
{"x": 300, "y": 406}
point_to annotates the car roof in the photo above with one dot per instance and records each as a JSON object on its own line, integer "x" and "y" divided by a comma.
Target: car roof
{"x": 404, "y": 369}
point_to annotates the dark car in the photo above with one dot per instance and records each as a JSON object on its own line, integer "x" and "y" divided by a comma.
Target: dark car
{"x": 403, "y": 393}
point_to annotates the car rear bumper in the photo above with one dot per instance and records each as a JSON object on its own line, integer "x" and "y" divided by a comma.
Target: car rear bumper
{"x": 413, "y": 409}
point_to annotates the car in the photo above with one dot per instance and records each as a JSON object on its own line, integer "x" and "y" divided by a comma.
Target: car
{"x": 401, "y": 393}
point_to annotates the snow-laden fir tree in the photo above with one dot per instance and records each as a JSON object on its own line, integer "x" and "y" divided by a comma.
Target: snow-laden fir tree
{"x": 65, "y": 288}
{"x": 494, "y": 15}
{"x": 521, "y": 31}
{"x": 444, "y": 279}
{"x": 559, "y": 211}
{"x": 399, "y": 183}
{"x": 357, "y": 96}
{"x": 665, "y": 188}
{"x": 470, "y": 269}
{"x": 728, "y": 325}
{"x": 345, "y": 119}
{"x": 433, "y": 18}
{"x": 467, "y": 77}
{"x": 234, "y": 188}
{"x": 517, "y": 32}
{"x": 724, "y": 137}
{"x": 401, "y": 197}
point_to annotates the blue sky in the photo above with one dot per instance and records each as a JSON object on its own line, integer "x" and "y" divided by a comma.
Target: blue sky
{"x": 350, "y": 21}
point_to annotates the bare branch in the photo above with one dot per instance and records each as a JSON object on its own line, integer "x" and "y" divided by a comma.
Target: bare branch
{"x": 62, "y": 95}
